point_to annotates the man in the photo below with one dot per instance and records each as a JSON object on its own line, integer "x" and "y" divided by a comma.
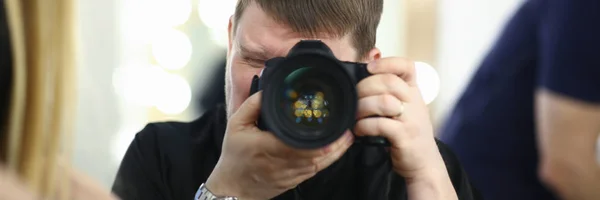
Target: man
{"x": 530, "y": 117}
{"x": 228, "y": 156}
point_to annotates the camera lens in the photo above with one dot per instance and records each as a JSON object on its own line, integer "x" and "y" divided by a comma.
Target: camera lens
{"x": 309, "y": 101}
{"x": 308, "y": 93}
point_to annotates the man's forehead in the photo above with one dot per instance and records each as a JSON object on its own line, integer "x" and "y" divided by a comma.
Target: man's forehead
{"x": 277, "y": 41}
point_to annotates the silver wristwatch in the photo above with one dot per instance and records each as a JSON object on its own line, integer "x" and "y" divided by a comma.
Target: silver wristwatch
{"x": 204, "y": 194}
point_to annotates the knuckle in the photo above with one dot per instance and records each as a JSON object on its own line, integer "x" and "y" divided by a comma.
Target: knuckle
{"x": 281, "y": 185}
{"x": 314, "y": 161}
{"x": 389, "y": 80}
{"x": 312, "y": 154}
{"x": 410, "y": 66}
{"x": 315, "y": 168}
{"x": 340, "y": 153}
{"x": 388, "y": 101}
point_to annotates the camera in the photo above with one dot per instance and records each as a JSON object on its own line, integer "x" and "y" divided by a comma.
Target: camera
{"x": 309, "y": 97}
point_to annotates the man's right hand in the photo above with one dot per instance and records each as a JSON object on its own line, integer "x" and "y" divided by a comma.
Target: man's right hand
{"x": 256, "y": 165}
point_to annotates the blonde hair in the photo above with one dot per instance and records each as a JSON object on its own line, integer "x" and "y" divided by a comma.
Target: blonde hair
{"x": 42, "y": 99}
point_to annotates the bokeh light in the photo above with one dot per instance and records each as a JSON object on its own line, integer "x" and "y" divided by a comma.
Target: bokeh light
{"x": 172, "y": 49}
{"x": 219, "y": 37}
{"x": 174, "y": 94}
{"x": 153, "y": 86}
{"x": 136, "y": 82}
{"x": 143, "y": 18}
{"x": 169, "y": 13}
{"x": 428, "y": 81}
{"x": 215, "y": 15}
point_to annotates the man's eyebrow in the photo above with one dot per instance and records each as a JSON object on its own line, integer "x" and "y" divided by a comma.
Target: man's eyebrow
{"x": 252, "y": 53}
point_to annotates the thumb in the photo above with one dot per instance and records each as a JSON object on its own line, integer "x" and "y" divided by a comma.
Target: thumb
{"x": 248, "y": 112}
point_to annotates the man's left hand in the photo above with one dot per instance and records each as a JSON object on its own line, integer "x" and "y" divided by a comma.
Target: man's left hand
{"x": 391, "y": 106}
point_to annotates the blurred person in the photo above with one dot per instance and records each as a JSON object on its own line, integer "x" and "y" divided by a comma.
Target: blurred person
{"x": 37, "y": 67}
{"x": 224, "y": 154}
{"x": 527, "y": 124}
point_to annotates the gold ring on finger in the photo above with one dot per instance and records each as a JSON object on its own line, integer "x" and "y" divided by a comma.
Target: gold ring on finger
{"x": 397, "y": 116}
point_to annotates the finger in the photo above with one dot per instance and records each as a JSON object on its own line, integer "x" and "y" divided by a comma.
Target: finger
{"x": 333, "y": 156}
{"x": 391, "y": 129}
{"x": 323, "y": 162}
{"x": 302, "y": 160}
{"x": 401, "y": 67}
{"x": 317, "y": 153}
{"x": 248, "y": 112}
{"x": 384, "y": 84}
{"x": 380, "y": 105}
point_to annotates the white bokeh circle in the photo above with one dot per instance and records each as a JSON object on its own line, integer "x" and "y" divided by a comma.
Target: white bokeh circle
{"x": 174, "y": 94}
{"x": 215, "y": 15}
{"x": 428, "y": 81}
{"x": 168, "y": 13}
{"x": 172, "y": 49}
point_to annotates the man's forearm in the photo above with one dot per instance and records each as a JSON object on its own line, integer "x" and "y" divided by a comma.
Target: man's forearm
{"x": 573, "y": 182}
{"x": 567, "y": 132}
{"x": 434, "y": 185}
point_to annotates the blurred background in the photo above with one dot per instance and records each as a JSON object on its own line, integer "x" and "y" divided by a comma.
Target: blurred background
{"x": 150, "y": 60}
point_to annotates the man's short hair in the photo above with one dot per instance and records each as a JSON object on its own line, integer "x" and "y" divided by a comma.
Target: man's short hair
{"x": 334, "y": 18}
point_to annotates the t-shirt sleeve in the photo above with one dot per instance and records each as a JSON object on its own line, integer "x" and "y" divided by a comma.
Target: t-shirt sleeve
{"x": 569, "y": 48}
{"x": 138, "y": 176}
{"x": 460, "y": 180}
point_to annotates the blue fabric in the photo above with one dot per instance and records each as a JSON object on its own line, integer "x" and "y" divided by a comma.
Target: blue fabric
{"x": 552, "y": 44}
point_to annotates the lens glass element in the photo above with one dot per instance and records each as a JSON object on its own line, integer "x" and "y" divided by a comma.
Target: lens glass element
{"x": 308, "y": 93}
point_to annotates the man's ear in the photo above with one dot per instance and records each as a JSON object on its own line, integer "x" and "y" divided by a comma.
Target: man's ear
{"x": 229, "y": 34}
{"x": 373, "y": 54}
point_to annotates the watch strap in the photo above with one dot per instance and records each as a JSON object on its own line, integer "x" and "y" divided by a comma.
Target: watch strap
{"x": 204, "y": 194}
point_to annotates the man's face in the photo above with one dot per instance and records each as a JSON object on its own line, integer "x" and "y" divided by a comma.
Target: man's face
{"x": 258, "y": 38}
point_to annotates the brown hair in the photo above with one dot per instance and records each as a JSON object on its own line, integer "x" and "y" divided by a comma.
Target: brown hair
{"x": 336, "y": 18}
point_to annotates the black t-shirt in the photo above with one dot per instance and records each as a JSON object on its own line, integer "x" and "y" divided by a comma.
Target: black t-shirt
{"x": 170, "y": 160}
{"x": 550, "y": 44}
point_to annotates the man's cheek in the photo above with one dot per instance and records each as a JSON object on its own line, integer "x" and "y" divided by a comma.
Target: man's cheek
{"x": 242, "y": 84}
{"x": 242, "y": 79}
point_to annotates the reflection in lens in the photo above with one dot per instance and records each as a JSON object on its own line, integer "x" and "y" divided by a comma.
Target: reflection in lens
{"x": 317, "y": 113}
{"x": 292, "y": 94}
{"x": 309, "y": 107}
{"x": 306, "y": 97}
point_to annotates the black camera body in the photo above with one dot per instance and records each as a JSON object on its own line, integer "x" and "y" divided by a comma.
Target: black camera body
{"x": 309, "y": 97}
